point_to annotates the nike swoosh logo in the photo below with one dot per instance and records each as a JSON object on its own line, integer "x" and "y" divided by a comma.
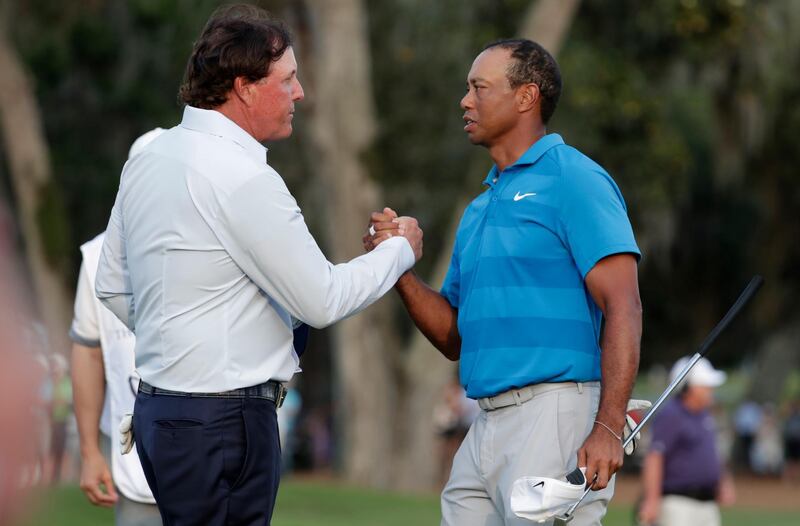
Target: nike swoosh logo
{"x": 523, "y": 196}
{"x": 541, "y": 482}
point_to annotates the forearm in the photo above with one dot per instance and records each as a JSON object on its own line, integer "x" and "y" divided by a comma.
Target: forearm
{"x": 432, "y": 314}
{"x": 619, "y": 360}
{"x": 652, "y": 474}
{"x": 88, "y": 381}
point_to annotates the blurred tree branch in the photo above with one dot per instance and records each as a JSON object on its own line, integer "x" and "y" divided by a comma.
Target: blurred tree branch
{"x": 36, "y": 197}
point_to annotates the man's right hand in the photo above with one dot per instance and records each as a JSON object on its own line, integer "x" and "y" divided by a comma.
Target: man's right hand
{"x": 96, "y": 481}
{"x": 386, "y": 224}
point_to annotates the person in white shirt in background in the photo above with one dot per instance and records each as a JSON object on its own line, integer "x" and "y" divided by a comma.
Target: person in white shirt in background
{"x": 104, "y": 382}
{"x": 207, "y": 258}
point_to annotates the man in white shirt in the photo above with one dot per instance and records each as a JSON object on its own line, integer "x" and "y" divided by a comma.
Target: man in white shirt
{"x": 208, "y": 260}
{"x": 104, "y": 380}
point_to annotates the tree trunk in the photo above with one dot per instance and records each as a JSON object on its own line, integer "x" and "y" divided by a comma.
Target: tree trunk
{"x": 343, "y": 128}
{"x": 29, "y": 168}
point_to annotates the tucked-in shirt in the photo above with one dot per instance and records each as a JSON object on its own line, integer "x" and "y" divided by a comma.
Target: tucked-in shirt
{"x": 516, "y": 276}
{"x": 94, "y": 325}
{"x": 687, "y": 442}
{"x": 207, "y": 258}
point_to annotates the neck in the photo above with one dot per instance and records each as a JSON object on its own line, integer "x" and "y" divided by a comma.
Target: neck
{"x": 508, "y": 149}
{"x": 236, "y": 112}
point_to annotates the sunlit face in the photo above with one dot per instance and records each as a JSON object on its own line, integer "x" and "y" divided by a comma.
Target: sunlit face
{"x": 702, "y": 397}
{"x": 272, "y": 103}
{"x": 490, "y": 109}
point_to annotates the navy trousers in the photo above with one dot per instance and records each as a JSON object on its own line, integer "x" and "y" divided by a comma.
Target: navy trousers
{"x": 209, "y": 461}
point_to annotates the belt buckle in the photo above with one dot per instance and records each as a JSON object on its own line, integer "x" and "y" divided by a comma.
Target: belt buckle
{"x": 280, "y": 396}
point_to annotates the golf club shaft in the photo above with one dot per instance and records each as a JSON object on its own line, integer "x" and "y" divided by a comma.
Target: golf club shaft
{"x": 746, "y": 295}
{"x": 726, "y": 320}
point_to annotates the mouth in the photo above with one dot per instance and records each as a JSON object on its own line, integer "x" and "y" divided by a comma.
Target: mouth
{"x": 469, "y": 123}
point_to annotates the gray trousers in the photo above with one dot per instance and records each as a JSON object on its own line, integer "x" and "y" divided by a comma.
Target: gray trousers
{"x": 540, "y": 437}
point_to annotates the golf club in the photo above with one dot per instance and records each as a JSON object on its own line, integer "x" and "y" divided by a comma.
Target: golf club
{"x": 744, "y": 298}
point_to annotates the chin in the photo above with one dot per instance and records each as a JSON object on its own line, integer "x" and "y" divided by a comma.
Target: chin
{"x": 474, "y": 139}
{"x": 279, "y": 135}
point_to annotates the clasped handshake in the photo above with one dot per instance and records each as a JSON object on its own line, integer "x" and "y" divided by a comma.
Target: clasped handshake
{"x": 385, "y": 225}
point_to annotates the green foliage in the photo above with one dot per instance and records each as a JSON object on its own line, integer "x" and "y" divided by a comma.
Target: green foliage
{"x": 105, "y": 72}
{"x": 54, "y": 230}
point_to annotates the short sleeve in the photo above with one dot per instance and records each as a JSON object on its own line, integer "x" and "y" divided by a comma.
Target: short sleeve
{"x": 594, "y": 219}
{"x": 451, "y": 288}
{"x": 665, "y": 433}
{"x": 85, "y": 329}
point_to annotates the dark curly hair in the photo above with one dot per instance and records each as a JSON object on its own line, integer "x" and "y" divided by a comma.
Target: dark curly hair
{"x": 237, "y": 41}
{"x": 533, "y": 65}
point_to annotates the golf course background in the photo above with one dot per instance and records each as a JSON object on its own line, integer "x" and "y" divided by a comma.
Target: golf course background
{"x": 307, "y": 502}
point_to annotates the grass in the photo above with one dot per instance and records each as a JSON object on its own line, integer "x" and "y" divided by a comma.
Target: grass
{"x": 303, "y": 503}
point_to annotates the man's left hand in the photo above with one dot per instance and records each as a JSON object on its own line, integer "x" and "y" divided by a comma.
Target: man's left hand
{"x": 602, "y": 455}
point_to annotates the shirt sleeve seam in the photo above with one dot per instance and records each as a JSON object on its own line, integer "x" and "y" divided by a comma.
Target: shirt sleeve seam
{"x": 610, "y": 250}
{"x": 83, "y": 340}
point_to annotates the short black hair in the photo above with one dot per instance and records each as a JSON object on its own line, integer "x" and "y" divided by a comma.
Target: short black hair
{"x": 238, "y": 41}
{"x": 533, "y": 65}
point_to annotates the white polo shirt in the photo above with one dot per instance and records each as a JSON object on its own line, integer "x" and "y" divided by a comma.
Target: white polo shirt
{"x": 93, "y": 325}
{"x": 207, "y": 258}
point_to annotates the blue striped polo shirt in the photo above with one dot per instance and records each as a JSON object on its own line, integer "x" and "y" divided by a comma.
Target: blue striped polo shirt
{"x": 516, "y": 276}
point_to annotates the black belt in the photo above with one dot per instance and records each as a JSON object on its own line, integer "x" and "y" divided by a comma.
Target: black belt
{"x": 702, "y": 494}
{"x": 272, "y": 390}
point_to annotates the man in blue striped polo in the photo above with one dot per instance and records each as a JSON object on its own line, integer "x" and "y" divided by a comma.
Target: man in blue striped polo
{"x": 543, "y": 259}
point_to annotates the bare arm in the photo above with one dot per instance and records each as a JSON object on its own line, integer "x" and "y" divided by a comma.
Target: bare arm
{"x": 88, "y": 384}
{"x": 613, "y": 284}
{"x": 726, "y": 490}
{"x": 652, "y": 475}
{"x": 432, "y": 314}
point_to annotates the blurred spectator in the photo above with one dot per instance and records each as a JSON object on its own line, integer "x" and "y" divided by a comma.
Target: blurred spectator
{"x": 452, "y": 417}
{"x": 287, "y": 426}
{"x": 791, "y": 443}
{"x": 683, "y": 475}
{"x": 105, "y": 383}
{"x": 746, "y": 422}
{"x": 61, "y": 409}
{"x": 41, "y": 410}
{"x": 766, "y": 454}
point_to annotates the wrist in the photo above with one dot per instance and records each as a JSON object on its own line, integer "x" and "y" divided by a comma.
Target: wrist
{"x": 90, "y": 452}
{"x": 653, "y": 498}
{"x": 406, "y": 279}
{"x": 608, "y": 429}
{"x": 614, "y": 421}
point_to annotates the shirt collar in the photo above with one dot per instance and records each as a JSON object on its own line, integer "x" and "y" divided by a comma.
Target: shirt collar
{"x": 215, "y": 123}
{"x": 531, "y": 155}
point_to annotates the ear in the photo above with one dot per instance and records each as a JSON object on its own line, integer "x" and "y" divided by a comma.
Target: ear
{"x": 243, "y": 89}
{"x": 527, "y": 97}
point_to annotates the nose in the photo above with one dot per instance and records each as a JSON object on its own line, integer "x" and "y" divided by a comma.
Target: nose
{"x": 298, "y": 94}
{"x": 466, "y": 101}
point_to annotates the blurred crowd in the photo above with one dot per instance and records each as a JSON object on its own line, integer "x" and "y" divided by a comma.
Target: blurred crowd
{"x": 766, "y": 439}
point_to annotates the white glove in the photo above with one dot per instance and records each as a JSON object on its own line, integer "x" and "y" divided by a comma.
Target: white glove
{"x": 126, "y": 433}
{"x": 630, "y": 423}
